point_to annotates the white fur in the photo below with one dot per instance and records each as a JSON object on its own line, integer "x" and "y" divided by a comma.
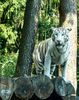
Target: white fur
{"x": 56, "y": 54}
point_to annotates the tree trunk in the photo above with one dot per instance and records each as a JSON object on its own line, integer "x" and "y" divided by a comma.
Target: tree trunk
{"x": 24, "y": 62}
{"x": 68, "y": 18}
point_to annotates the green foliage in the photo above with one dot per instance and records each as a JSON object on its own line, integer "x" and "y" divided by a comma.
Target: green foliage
{"x": 45, "y": 23}
{"x": 7, "y": 33}
{"x": 48, "y": 17}
{"x": 8, "y": 64}
{"x": 11, "y": 19}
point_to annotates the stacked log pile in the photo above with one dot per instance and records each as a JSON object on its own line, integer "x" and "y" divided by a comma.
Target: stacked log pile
{"x": 42, "y": 87}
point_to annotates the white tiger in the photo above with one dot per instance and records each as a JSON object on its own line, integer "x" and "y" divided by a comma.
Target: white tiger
{"x": 54, "y": 50}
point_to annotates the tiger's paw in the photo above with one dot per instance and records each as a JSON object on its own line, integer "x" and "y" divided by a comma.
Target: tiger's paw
{"x": 66, "y": 81}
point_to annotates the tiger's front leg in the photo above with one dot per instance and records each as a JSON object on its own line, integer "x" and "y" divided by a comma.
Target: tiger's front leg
{"x": 47, "y": 65}
{"x": 64, "y": 68}
{"x": 64, "y": 72}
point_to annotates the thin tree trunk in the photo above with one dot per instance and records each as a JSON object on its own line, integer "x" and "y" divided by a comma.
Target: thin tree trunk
{"x": 68, "y": 18}
{"x": 24, "y": 62}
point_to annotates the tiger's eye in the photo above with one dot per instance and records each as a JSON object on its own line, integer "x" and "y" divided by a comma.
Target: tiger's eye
{"x": 56, "y": 34}
{"x": 63, "y": 34}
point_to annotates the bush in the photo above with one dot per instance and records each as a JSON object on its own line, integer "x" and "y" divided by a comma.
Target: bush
{"x": 8, "y": 64}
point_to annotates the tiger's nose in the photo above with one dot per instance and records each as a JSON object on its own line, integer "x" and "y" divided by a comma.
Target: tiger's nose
{"x": 58, "y": 41}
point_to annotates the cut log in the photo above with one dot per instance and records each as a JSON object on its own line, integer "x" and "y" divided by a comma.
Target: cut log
{"x": 62, "y": 88}
{"x": 70, "y": 89}
{"x": 24, "y": 88}
{"x": 43, "y": 86}
{"x": 6, "y": 88}
{"x": 77, "y": 98}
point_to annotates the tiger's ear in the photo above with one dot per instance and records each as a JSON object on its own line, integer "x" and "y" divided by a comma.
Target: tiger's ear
{"x": 52, "y": 29}
{"x": 69, "y": 29}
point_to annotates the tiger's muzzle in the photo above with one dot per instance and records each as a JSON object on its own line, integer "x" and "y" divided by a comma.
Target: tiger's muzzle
{"x": 59, "y": 44}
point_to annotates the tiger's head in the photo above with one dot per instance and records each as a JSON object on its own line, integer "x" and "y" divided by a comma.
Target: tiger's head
{"x": 60, "y": 36}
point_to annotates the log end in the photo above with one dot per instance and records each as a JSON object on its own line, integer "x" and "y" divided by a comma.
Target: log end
{"x": 43, "y": 87}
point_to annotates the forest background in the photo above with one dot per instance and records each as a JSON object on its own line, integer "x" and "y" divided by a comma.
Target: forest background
{"x": 11, "y": 23}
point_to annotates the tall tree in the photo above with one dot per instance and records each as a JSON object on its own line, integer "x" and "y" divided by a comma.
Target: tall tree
{"x": 68, "y": 18}
{"x": 24, "y": 62}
